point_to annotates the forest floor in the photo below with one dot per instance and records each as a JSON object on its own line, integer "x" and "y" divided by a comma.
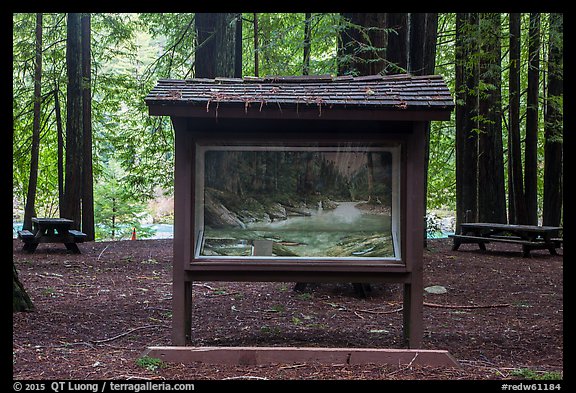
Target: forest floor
{"x": 97, "y": 312}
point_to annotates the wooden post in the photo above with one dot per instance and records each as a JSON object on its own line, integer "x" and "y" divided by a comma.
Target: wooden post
{"x": 414, "y": 211}
{"x": 183, "y": 239}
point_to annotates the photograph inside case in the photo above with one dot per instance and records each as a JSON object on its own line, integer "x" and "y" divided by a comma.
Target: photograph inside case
{"x": 308, "y": 201}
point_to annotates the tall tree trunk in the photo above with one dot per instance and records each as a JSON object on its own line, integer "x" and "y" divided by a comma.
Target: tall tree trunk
{"x": 466, "y": 110}
{"x": 423, "y": 37}
{"x": 421, "y": 60}
{"x": 531, "y": 144}
{"x": 362, "y": 51}
{"x": 74, "y": 138}
{"x": 87, "y": 178}
{"x": 397, "y": 44}
{"x": 238, "y": 47}
{"x": 516, "y": 201}
{"x": 363, "y": 43}
{"x": 306, "y": 44}
{"x": 553, "y": 126}
{"x": 29, "y": 209}
{"x": 216, "y": 46}
{"x": 491, "y": 191}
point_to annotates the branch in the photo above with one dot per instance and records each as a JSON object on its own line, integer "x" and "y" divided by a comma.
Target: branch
{"x": 466, "y": 307}
{"x": 382, "y": 312}
{"x": 123, "y": 334}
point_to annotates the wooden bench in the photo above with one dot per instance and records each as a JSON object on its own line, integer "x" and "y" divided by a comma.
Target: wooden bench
{"x": 530, "y": 237}
{"x": 79, "y": 237}
{"x": 25, "y": 234}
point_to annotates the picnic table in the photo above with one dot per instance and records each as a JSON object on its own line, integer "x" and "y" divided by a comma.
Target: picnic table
{"x": 531, "y": 237}
{"x": 51, "y": 230}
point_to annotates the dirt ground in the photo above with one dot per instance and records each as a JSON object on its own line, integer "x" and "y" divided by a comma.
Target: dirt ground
{"x": 96, "y": 313}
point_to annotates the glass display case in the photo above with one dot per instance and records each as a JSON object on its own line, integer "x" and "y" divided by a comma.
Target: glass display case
{"x": 300, "y": 179}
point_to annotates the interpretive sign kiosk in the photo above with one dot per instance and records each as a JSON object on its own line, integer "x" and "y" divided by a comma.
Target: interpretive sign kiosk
{"x": 300, "y": 179}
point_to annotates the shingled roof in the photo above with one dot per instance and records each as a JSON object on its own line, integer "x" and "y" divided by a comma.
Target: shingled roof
{"x": 402, "y": 92}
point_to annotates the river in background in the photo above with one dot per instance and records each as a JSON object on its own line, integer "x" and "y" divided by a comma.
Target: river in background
{"x": 346, "y": 217}
{"x": 163, "y": 231}
{"x": 342, "y": 231}
{"x": 442, "y": 229}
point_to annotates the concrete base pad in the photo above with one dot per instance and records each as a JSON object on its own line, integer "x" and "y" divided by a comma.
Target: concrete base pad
{"x": 286, "y": 355}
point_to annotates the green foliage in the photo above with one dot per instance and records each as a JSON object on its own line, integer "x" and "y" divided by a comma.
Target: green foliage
{"x": 116, "y": 210}
{"x": 150, "y": 363}
{"x": 281, "y": 43}
{"x": 527, "y": 373}
{"x": 130, "y": 52}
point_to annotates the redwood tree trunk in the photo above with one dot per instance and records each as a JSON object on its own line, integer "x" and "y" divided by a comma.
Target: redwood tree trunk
{"x": 87, "y": 178}
{"x": 423, "y": 37}
{"x": 238, "y": 47}
{"x": 397, "y": 45}
{"x": 421, "y": 60}
{"x": 517, "y": 207}
{"x": 363, "y": 44}
{"x": 553, "y": 126}
{"x": 466, "y": 110}
{"x": 491, "y": 192}
{"x": 216, "y": 46}
{"x": 531, "y": 144}
{"x": 74, "y": 138}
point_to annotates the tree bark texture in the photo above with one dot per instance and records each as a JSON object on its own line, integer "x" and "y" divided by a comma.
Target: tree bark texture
{"x": 29, "y": 209}
{"x": 466, "y": 104}
{"x": 491, "y": 191}
{"x": 20, "y": 299}
{"x": 74, "y": 137}
{"x": 421, "y": 60}
{"x": 238, "y": 47}
{"x": 87, "y": 177}
{"x": 397, "y": 43}
{"x": 516, "y": 201}
{"x": 553, "y": 126}
{"x": 423, "y": 37}
{"x": 531, "y": 142}
{"x": 216, "y": 45}
{"x": 363, "y": 43}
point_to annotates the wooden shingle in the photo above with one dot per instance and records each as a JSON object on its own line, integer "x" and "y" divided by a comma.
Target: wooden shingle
{"x": 402, "y": 92}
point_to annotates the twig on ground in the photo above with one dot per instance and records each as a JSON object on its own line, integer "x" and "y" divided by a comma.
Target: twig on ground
{"x": 143, "y": 377}
{"x": 123, "y": 334}
{"x": 466, "y": 307}
{"x": 205, "y": 286}
{"x": 51, "y": 275}
{"x": 382, "y": 312}
{"x": 292, "y": 366}
{"x": 412, "y": 361}
{"x": 217, "y": 292}
{"x": 102, "y": 252}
